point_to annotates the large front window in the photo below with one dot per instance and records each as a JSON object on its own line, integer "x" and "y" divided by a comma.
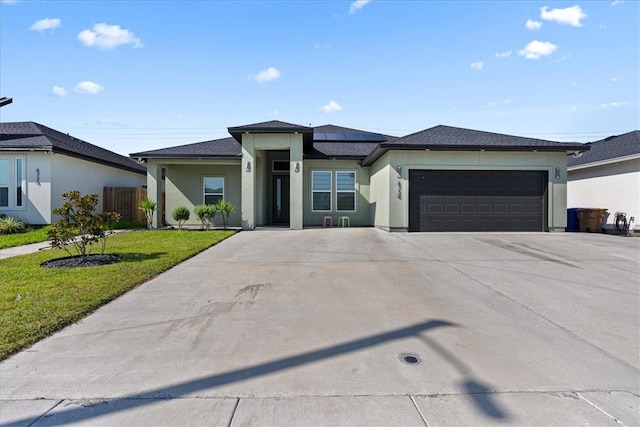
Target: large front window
{"x": 4, "y": 183}
{"x": 213, "y": 190}
{"x": 12, "y": 182}
{"x": 321, "y": 191}
{"x": 345, "y": 191}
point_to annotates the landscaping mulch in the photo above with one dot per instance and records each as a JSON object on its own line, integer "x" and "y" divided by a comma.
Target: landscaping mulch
{"x": 90, "y": 260}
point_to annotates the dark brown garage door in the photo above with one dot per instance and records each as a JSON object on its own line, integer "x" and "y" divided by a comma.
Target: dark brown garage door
{"x": 477, "y": 200}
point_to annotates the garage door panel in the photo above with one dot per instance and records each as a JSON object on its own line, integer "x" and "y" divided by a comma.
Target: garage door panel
{"x": 477, "y": 200}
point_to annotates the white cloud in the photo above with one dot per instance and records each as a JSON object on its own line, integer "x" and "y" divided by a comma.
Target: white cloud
{"x": 88, "y": 87}
{"x": 536, "y": 49}
{"x": 357, "y": 5}
{"x": 267, "y": 75}
{"x": 477, "y": 65}
{"x": 9, "y": 1}
{"x": 498, "y": 103}
{"x": 106, "y": 36}
{"x": 571, "y": 15}
{"x": 45, "y": 24}
{"x": 110, "y": 123}
{"x": 533, "y": 25}
{"x": 501, "y": 55}
{"x": 614, "y": 104}
{"x": 616, "y": 2}
{"x": 58, "y": 91}
{"x": 614, "y": 79}
{"x": 331, "y": 107}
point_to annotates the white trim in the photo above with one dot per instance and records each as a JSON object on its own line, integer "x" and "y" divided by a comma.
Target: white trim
{"x": 330, "y": 191}
{"x": 353, "y": 191}
{"x": 204, "y": 193}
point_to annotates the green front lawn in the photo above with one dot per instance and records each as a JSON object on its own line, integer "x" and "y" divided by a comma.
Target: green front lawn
{"x": 33, "y": 236}
{"x": 36, "y": 301}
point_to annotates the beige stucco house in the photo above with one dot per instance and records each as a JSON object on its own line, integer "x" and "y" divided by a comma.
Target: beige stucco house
{"x": 440, "y": 179}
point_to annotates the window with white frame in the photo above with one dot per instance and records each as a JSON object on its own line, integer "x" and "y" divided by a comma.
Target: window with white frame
{"x": 345, "y": 191}
{"x": 321, "y": 191}
{"x": 19, "y": 174}
{"x": 4, "y": 183}
{"x": 213, "y": 190}
{"x": 12, "y": 182}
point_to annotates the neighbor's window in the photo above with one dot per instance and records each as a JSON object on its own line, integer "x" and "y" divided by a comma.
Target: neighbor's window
{"x": 213, "y": 190}
{"x": 4, "y": 182}
{"x": 19, "y": 179}
{"x": 320, "y": 191}
{"x": 346, "y": 191}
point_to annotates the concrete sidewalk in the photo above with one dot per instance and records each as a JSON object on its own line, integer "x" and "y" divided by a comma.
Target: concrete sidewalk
{"x": 316, "y": 327}
{"x": 23, "y": 250}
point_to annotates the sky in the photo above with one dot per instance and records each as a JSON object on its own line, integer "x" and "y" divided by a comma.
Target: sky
{"x": 133, "y": 76}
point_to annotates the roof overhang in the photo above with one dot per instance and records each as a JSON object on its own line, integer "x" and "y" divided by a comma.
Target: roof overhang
{"x": 604, "y": 162}
{"x": 383, "y": 148}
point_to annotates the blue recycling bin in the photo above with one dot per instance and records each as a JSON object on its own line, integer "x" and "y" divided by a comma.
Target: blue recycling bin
{"x": 572, "y": 220}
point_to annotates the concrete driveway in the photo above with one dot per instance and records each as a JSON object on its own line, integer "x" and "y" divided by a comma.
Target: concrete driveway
{"x": 319, "y": 326}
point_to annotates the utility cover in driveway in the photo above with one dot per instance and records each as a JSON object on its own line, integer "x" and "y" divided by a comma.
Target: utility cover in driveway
{"x": 477, "y": 200}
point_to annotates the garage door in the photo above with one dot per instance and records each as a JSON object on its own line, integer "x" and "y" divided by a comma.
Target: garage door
{"x": 477, "y": 200}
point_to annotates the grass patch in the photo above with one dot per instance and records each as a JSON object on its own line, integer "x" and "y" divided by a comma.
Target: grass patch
{"x": 37, "y": 301}
{"x": 33, "y": 236}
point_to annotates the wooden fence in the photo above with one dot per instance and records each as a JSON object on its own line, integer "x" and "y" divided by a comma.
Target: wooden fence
{"x": 125, "y": 201}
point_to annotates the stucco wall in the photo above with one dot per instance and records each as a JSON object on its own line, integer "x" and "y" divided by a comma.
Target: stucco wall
{"x": 59, "y": 174}
{"x": 614, "y": 186}
{"x": 70, "y": 173}
{"x": 362, "y": 214}
{"x": 184, "y": 187}
{"x": 388, "y": 188}
{"x": 37, "y": 206}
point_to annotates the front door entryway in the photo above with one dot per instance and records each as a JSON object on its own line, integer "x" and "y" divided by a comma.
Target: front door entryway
{"x": 280, "y": 193}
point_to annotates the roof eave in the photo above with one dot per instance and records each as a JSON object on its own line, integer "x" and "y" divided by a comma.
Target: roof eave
{"x": 604, "y": 162}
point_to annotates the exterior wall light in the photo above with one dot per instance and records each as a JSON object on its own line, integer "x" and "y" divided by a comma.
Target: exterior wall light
{"x": 248, "y": 167}
{"x": 297, "y": 168}
{"x": 399, "y": 170}
{"x": 38, "y": 176}
{"x": 557, "y": 173}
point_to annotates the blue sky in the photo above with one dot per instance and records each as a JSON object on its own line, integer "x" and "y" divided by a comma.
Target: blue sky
{"x": 138, "y": 75}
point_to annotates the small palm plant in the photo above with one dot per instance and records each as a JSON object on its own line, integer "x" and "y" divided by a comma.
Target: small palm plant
{"x": 180, "y": 214}
{"x": 148, "y": 206}
{"x": 226, "y": 209}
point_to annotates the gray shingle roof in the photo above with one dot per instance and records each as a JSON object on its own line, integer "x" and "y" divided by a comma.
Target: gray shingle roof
{"x": 16, "y": 136}
{"x": 452, "y": 138}
{"x": 609, "y": 148}
{"x": 217, "y": 148}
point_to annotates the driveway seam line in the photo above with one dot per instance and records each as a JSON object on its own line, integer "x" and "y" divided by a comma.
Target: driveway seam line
{"x": 419, "y": 411}
{"x": 233, "y": 413}
{"x": 599, "y": 409}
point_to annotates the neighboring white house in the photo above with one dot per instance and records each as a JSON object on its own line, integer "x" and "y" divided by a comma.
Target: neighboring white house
{"x": 608, "y": 177}
{"x": 39, "y": 164}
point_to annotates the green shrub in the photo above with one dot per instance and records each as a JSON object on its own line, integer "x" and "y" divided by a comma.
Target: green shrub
{"x": 9, "y": 225}
{"x": 206, "y": 214}
{"x": 79, "y": 228}
{"x": 180, "y": 214}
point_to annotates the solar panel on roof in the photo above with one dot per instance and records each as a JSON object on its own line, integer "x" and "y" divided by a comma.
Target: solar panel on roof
{"x": 355, "y": 137}
{"x": 335, "y": 136}
{"x": 319, "y": 136}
